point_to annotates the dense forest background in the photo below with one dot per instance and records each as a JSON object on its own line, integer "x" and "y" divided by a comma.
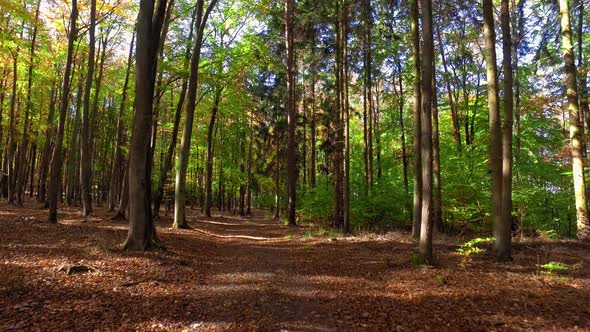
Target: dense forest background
{"x": 316, "y": 107}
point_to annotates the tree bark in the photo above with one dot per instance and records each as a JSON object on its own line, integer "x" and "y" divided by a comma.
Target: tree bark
{"x": 452, "y": 104}
{"x": 209, "y": 163}
{"x": 183, "y": 155}
{"x": 417, "y": 121}
{"x": 86, "y": 140}
{"x": 291, "y": 115}
{"x": 56, "y": 164}
{"x": 495, "y": 140}
{"x": 21, "y": 174}
{"x": 142, "y": 232}
{"x": 118, "y": 155}
{"x": 576, "y": 132}
{"x": 503, "y": 230}
{"x": 425, "y": 243}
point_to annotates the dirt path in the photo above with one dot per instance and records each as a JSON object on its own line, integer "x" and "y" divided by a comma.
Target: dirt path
{"x": 255, "y": 274}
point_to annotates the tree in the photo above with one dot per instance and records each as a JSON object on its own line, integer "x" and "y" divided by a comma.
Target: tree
{"x": 142, "y": 232}
{"x": 417, "y": 220}
{"x": 503, "y": 232}
{"x": 183, "y": 155}
{"x": 495, "y": 141}
{"x": 56, "y": 159}
{"x": 427, "y": 62}
{"x": 86, "y": 145}
{"x": 575, "y": 131}
{"x": 291, "y": 115}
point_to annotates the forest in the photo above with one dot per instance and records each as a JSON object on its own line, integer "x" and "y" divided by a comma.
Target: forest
{"x": 294, "y": 165}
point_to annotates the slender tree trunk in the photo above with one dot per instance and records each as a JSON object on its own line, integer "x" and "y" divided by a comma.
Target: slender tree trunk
{"x": 584, "y": 108}
{"x": 452, "y": 104}
{"x": 176, "y": 125}
{"x": 313, "y": 131}
{"x": 346, "y": 116}
{"x": 401, "y": 102}
{"x": 73, "y": 164}
{"x": 495, "y": 143}
{"x": 12, "y": 132}
{"x": 250, "y": 145}
{"x": 277, "y": 174}
{"x": 503, "y": 230}
{"x": 86, "y": 140}
{"x": 519, "y": 33}
{"x": 367, "y": 96}
{"x": 417, "y": 121}
{"x": 576, "y": 133}
{"x": 425, "y": 244}
{"x": 209, "y": 164}
{"x": 183, "y": 155}
{"x": 377, "y": 129}
{"x": 45, "y": 158}
{"x": 437, "y": 217}
{"x": 56, "y": 164}
{"x": 291, "y": 115}
{"x": 21, "y": 174}
{"x": 118, "y": 156}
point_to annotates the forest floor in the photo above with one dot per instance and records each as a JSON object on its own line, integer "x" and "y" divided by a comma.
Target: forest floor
{"x": 231, "y": 273}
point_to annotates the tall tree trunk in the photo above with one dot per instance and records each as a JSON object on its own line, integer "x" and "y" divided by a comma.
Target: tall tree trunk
{"x": 46, "y": 156}
{"x": 73, "y": 165}
{"x": 518, "y": 37}
{"x": 12, "y": 169}
{"x": 503, "y": 230}
{"x": 177, "y": 115}
{"x": 437, "y": 218}
{"x": 377, "y": 129}
{"x": 56, "y": 160}
{"x": 118, "y": 156}
{"x": 576, "y": 133}
{"x": 495, "y": 142}
{"x": 142, "y": 232}
{"x": 21, "y": 174}
{"x": 452, "y": 104}
{"x": 401, "y": 102}
{"x": 183, "y": 155}
{"x": 367, "y": 96}
{"x": 209, "y": 164}
{"x": 277, "y": 173}
{"x": 86, "y": 140}
{"x": 417, "y": 121}
{"x": 425, "y": 244}
{"x": 291, "y": 115}
{"x": 313, "y": 131}
{"x": 250, "y": 145}
{"x": 583, "y": 98}
{"x": 346, "y": 119}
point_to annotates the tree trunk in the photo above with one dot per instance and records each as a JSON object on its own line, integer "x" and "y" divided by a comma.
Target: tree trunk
{"x": 183, "y": 155}
{"x": 209, "y": 164}
{"x": 576, "y": 133}
{"x": 437, "y": 218}
{"x": 452, "y": 104}
{"x": 73, "y": 164}
{"x": 21, "y": 174}
{"x": 46, "y": 156}
{"x": 118, "y": 156}
{"x": 367, "y": 96}
{"x": 583, "y": 98}
{"x": 425, "y": 244}
{"x": 291, "y": 115}
{"x": 142, "y": 232}
{"x": 12, "y": 132}
{"x": 346, "y": 119}
{"x": 417, "y": 122}
{"x": 401, "y": 103}
{"x": 176, "y": 125}
{"x": 85, "y": 146}
{"x": 495, "y": 142}
{"x": 56, "y": 164}
{"x": 503, "y": 230}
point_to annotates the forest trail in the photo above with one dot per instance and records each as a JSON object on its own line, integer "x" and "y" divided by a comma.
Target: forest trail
{"x": 231, "y": 273}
